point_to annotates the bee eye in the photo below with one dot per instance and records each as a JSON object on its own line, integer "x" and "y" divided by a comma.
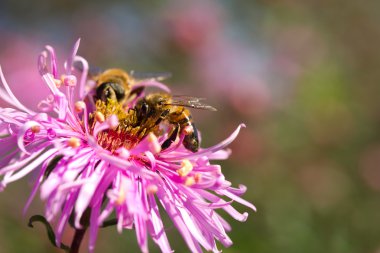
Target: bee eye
{"x": 108, "y": 93}
{"x": 119, "y": 91}
{"x": 145, "y": 108}
{"x": 142, "y": 112}
{"x": 110, "y": 90}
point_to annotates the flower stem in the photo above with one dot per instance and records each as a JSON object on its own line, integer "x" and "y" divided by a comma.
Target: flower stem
{"x": 77, "y": 240}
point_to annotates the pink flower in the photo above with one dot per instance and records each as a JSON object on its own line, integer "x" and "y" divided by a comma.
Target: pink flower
{"x": 90, "y": 175}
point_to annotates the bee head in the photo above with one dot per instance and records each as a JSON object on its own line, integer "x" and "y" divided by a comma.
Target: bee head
{"x": 110, "y": 90}
{"x": 112, "y": 84}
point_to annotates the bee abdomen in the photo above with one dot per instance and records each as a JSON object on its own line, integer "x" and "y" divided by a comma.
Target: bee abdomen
{"x": 191, "y": 140}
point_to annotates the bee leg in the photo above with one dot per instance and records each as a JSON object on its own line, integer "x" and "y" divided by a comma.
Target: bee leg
{"x": 191, "y": 141}
{"x": 171, "y": 138}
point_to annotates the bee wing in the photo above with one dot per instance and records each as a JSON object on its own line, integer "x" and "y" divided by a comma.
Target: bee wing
{"x": 187, "y": 98}
{"x": 139, "y": 77}
{"x": 191, "y": 102}
{"x": 146, "y": 76}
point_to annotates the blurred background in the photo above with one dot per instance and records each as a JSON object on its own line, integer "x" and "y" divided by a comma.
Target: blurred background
{"x": 303, "y": 75}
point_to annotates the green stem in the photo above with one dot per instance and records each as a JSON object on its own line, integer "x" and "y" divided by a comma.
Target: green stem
{"x": 77, "y": 240}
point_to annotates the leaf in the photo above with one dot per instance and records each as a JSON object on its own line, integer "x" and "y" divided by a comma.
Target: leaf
{"x": 49, "y": 230}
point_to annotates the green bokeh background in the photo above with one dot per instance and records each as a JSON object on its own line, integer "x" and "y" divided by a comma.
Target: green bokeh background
{"x": 303, "y": 75}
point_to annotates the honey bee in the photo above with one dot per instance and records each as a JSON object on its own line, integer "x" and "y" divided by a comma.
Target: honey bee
{"x": 157, "y": 107}
{"x": 115, "y": 85}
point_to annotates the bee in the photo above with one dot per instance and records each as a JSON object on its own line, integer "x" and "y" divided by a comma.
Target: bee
{"x": 112, "y": 84}
{"x": 116, "y": 84}
{"x": 157, "y": 107}
{"x": 151, "y": 110}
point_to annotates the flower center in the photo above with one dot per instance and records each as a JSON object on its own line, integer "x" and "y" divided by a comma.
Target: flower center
{"x": 127, "y": 134}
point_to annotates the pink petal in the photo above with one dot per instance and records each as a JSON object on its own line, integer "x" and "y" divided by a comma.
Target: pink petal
{"x": 156, "y": 227}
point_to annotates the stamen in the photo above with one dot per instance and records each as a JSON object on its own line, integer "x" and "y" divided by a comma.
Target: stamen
{"x": 51, "y": 134}
{"x": 73, "y": 142}
{"x": 152, "y": 189}
{"x": 123, "y": 152}
{"x": 58, "y": 83}
{"x": 186, "y": 168}
{"x": 99, "y": 117}
{"x": 189, "y": 181}
{"x": 197, "y": 177}
{"x": 35, "y": 129}
{"x": 154, "y": 145}
{"x": 79, "y": 106}
{"x": 121, "y": 197}
{"x": 69, "y": 80}
{"x": 113, "y": 121}
{"x": 113, "y": 128}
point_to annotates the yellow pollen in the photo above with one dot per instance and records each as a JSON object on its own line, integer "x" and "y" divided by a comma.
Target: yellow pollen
{"x": 73, "y": 142}
{"x": 58, "y": 83}
{"x": 99, "y": 117}
{"x": 69, "y": 80}
{"x": 35, "y": 129}
{"x": 189, "y": 181}
{"x": 79, "y": 106}
{"x": 186, "y": 168}
{"x": 151, "y": 189}
{"x": 121, "y": 197}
